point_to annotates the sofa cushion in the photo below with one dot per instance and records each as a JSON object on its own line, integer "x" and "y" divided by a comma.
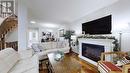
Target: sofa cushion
{"x": 8, "y": 58}
{"x": 60, "y": 44}
{"x": 42, "y": 55}
{"x": 24, "y": 54}
{"x": 54, "y": 45}
{"x": 33, "y": 70}
{"x": 25, "y": 66}
{"x": 47, "y": 45}
{"x": 108, "y": 66}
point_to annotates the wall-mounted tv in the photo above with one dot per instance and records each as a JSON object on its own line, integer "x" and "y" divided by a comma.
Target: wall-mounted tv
{"x": 98, "y": 26}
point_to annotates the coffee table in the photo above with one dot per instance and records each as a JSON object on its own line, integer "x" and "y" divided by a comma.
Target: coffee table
{"x": 66, "y": 65}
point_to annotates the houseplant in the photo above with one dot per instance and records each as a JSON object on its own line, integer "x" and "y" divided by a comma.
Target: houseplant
{"x": 67, "y": 35}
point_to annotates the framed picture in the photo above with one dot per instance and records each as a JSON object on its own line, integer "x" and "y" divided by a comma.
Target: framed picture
{"x": 61, "y": 32}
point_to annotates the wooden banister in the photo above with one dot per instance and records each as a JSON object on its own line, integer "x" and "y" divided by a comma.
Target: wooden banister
{"x": 10, "y": 21}
{"x": 111, "y": 53}
{"x": 7, "y": 25}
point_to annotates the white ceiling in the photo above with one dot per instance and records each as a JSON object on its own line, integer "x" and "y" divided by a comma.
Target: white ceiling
{"x": 63, "y": 11}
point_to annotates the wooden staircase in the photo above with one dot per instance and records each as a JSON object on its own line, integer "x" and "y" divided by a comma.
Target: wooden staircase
{"x": 7, "y": 26}
{"x": 10, "y": 23}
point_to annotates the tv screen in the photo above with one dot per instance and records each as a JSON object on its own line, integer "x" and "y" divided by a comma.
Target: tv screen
{"x": 98, "y": 26}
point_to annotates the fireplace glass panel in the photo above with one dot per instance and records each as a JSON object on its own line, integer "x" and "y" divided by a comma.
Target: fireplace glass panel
{"x": 92, "y": 51}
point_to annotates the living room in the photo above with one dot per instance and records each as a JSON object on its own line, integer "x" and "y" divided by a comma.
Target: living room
{"x": 52, "y": 37}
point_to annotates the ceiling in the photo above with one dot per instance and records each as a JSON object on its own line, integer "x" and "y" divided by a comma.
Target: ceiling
{"x": 63, "y": 11}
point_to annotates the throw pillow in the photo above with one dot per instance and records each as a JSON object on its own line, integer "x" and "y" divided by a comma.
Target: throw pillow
{"x": 127, "y": 57}
{"x": 35, "y": 48}
{"x": 123, "y": 62}
{"x": 40, "y": 47}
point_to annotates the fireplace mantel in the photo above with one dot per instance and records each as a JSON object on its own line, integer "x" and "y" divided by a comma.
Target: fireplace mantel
{"x": 107, "y": 43}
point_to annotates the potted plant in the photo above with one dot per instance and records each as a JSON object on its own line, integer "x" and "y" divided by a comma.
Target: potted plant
{"x": 67, "y": 35}
{"x": 116, "y": 45}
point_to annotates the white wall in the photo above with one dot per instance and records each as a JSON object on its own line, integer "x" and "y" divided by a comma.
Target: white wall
{"x": 12, "y": 36}
{"x": 54, "y": 30}
{"x": 120, "y": 18}
{"x": 22, "y": 25}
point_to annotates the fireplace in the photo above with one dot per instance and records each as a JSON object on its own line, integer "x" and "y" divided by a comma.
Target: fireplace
{"x": 92, "y": 51}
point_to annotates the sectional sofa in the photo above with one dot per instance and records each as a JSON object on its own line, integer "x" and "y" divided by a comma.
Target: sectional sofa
{"x": 48, "y": 47}
{"x": 22, "y": 62}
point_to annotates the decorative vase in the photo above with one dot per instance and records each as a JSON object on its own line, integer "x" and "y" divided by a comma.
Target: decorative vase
{"x": 59, "y": 55}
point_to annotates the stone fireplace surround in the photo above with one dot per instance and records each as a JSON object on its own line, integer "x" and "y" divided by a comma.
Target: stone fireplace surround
{"x": 107, "y": 43}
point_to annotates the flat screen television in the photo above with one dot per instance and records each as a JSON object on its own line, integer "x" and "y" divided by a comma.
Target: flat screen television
{"x": 98, "y": 26}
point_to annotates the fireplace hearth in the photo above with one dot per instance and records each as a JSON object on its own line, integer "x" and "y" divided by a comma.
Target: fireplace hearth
{"x": 92, "y": 51}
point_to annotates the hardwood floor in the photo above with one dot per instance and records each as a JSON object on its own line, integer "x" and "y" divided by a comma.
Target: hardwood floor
{"x": 88, "y": 68}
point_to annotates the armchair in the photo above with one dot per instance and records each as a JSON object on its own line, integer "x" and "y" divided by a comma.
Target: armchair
{"x": 111, "y": 67}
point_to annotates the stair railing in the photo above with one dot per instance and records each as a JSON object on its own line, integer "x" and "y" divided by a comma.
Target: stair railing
{"x": 10, "y": 22}
{"x": 8, "y": 25}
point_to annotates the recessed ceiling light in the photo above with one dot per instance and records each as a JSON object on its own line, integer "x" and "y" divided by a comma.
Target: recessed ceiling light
{"x": 33, "y": 22}
{"x": 50, "y": 25}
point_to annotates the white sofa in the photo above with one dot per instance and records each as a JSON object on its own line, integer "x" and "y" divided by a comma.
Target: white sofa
{"x": 48, "y": 47}
{"x": 13, "y": 62}
{"x": 52, "y": 46}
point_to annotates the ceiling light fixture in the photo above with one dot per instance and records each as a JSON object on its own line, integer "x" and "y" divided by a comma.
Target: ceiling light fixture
{"x": 33, "y": 22}
{"x": 49, "y": 25}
